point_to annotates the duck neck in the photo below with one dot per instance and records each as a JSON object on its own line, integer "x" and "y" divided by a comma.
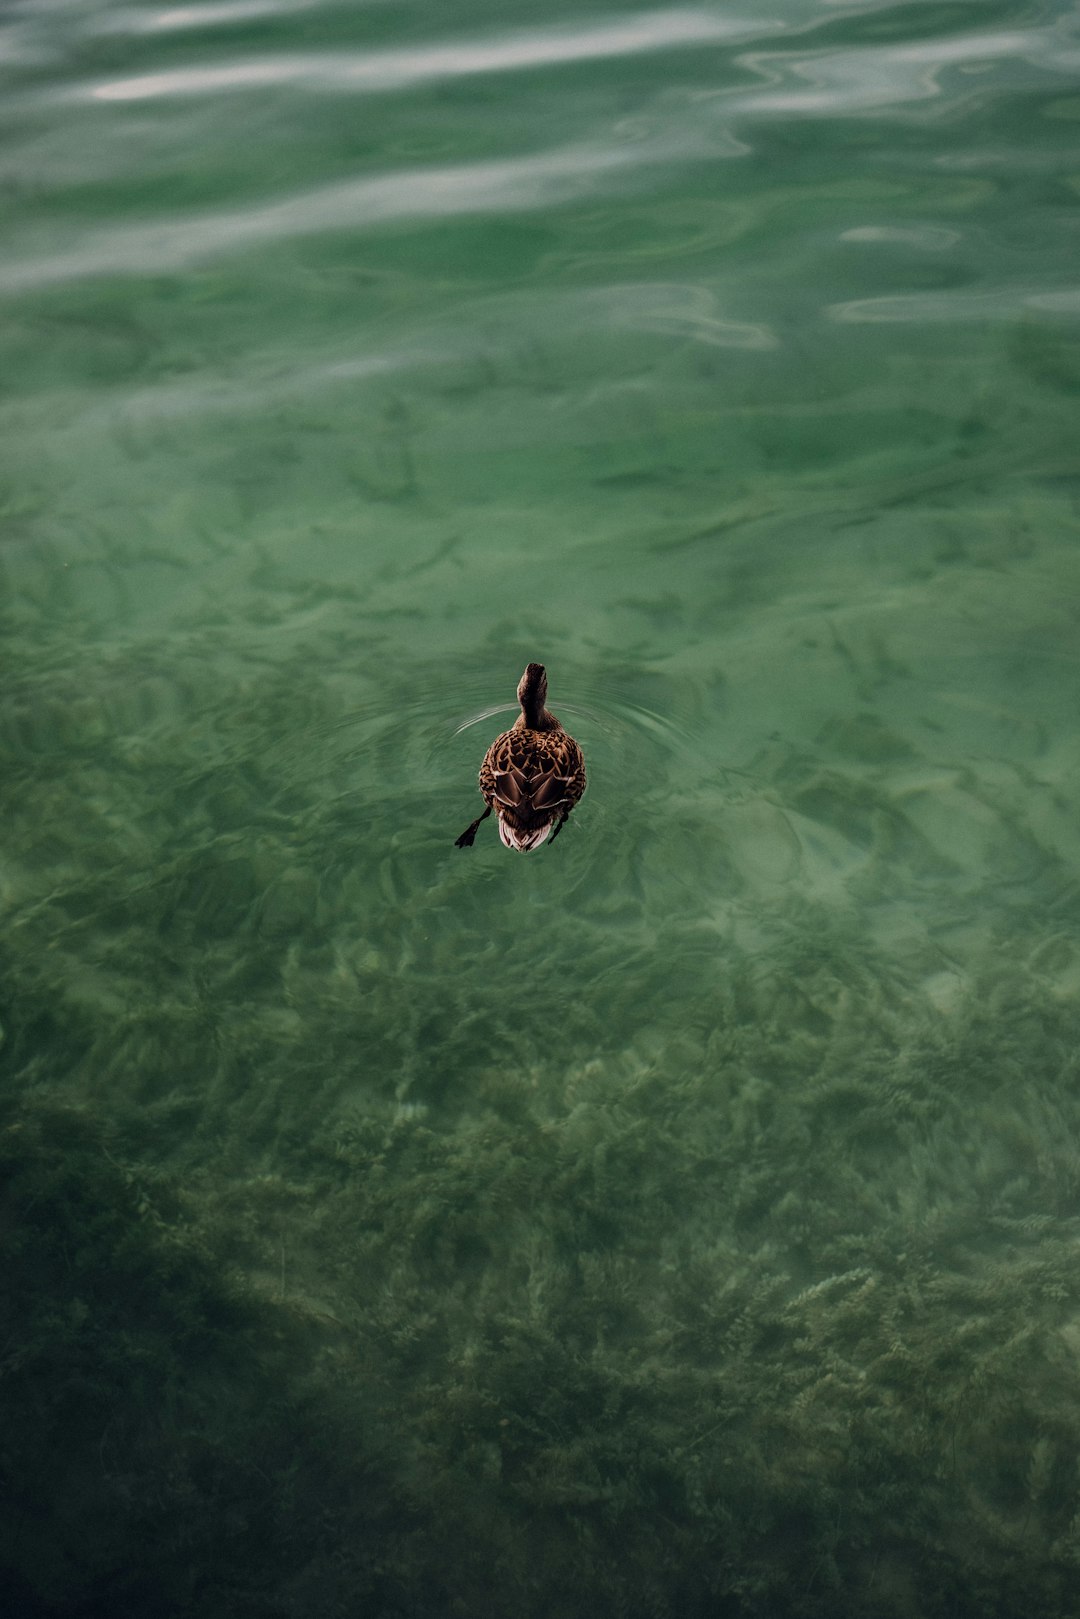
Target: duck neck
{"x": 532, "y": 690}
{"x": 534, "y": 715}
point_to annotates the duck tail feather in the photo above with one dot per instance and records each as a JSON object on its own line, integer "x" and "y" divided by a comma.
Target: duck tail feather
{"x": 521, "y": 838}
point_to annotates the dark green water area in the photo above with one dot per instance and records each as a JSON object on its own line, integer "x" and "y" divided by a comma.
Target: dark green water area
{"x": 681, "y": 1221}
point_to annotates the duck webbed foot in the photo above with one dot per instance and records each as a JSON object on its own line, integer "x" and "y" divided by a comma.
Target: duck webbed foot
{"x": 562, "y": 822}
{"x": 466, "y": 839}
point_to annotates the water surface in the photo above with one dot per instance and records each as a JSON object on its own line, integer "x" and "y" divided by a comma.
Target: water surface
{"x": 679, "y": 1220}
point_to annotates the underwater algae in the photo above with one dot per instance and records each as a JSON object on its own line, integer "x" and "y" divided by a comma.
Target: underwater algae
{"x": 565, "y": 1359}
{"x": 334, "y": 1285}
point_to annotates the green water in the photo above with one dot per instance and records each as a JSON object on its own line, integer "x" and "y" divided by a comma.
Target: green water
{"x": 681, "y": 1220}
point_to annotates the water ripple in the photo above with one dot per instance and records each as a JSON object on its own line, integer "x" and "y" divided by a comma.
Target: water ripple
{"x": 543, "y": 180}
{"x": 946, "y": 304}
{"x": 858, "y": 79}
{"x": 373, "y": 71}
{"x": 177, "y": 19}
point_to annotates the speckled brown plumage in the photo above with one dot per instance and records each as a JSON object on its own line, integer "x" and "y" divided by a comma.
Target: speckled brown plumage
{"x": 532, "y": 775}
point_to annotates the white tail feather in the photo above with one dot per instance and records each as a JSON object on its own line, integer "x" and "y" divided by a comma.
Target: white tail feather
{"x": 523, "y": 841}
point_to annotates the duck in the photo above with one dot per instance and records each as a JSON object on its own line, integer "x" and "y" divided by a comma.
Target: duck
{"x": 532, "y": 775}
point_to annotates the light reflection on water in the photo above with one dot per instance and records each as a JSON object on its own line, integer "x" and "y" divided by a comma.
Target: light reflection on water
{"x": 358, "y": 205}
{"x": 396, "y": 70}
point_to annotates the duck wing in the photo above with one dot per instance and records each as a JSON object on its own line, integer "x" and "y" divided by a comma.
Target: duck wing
{"x": 537, "y": 784}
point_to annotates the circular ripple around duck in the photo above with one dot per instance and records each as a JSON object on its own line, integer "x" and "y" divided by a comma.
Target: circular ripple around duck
{"x": 423, "y": 738}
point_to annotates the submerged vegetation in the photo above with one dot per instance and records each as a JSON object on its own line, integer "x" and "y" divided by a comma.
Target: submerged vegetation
{"x": 613, "y": 1357}
{"x": 352, "y": 1265}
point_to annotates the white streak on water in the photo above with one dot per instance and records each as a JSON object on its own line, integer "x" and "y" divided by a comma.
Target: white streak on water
{"x": 263, "y": 391}
{"x": 540, "y": 181}
{"x": 373, "y": 71}
{"x": 177, "y": 18}
{"x": 931, "y": 238}
{"x": 998, "y": 303}
{"x": 1064, "y": 302}
{"x": 855, "y": 80}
